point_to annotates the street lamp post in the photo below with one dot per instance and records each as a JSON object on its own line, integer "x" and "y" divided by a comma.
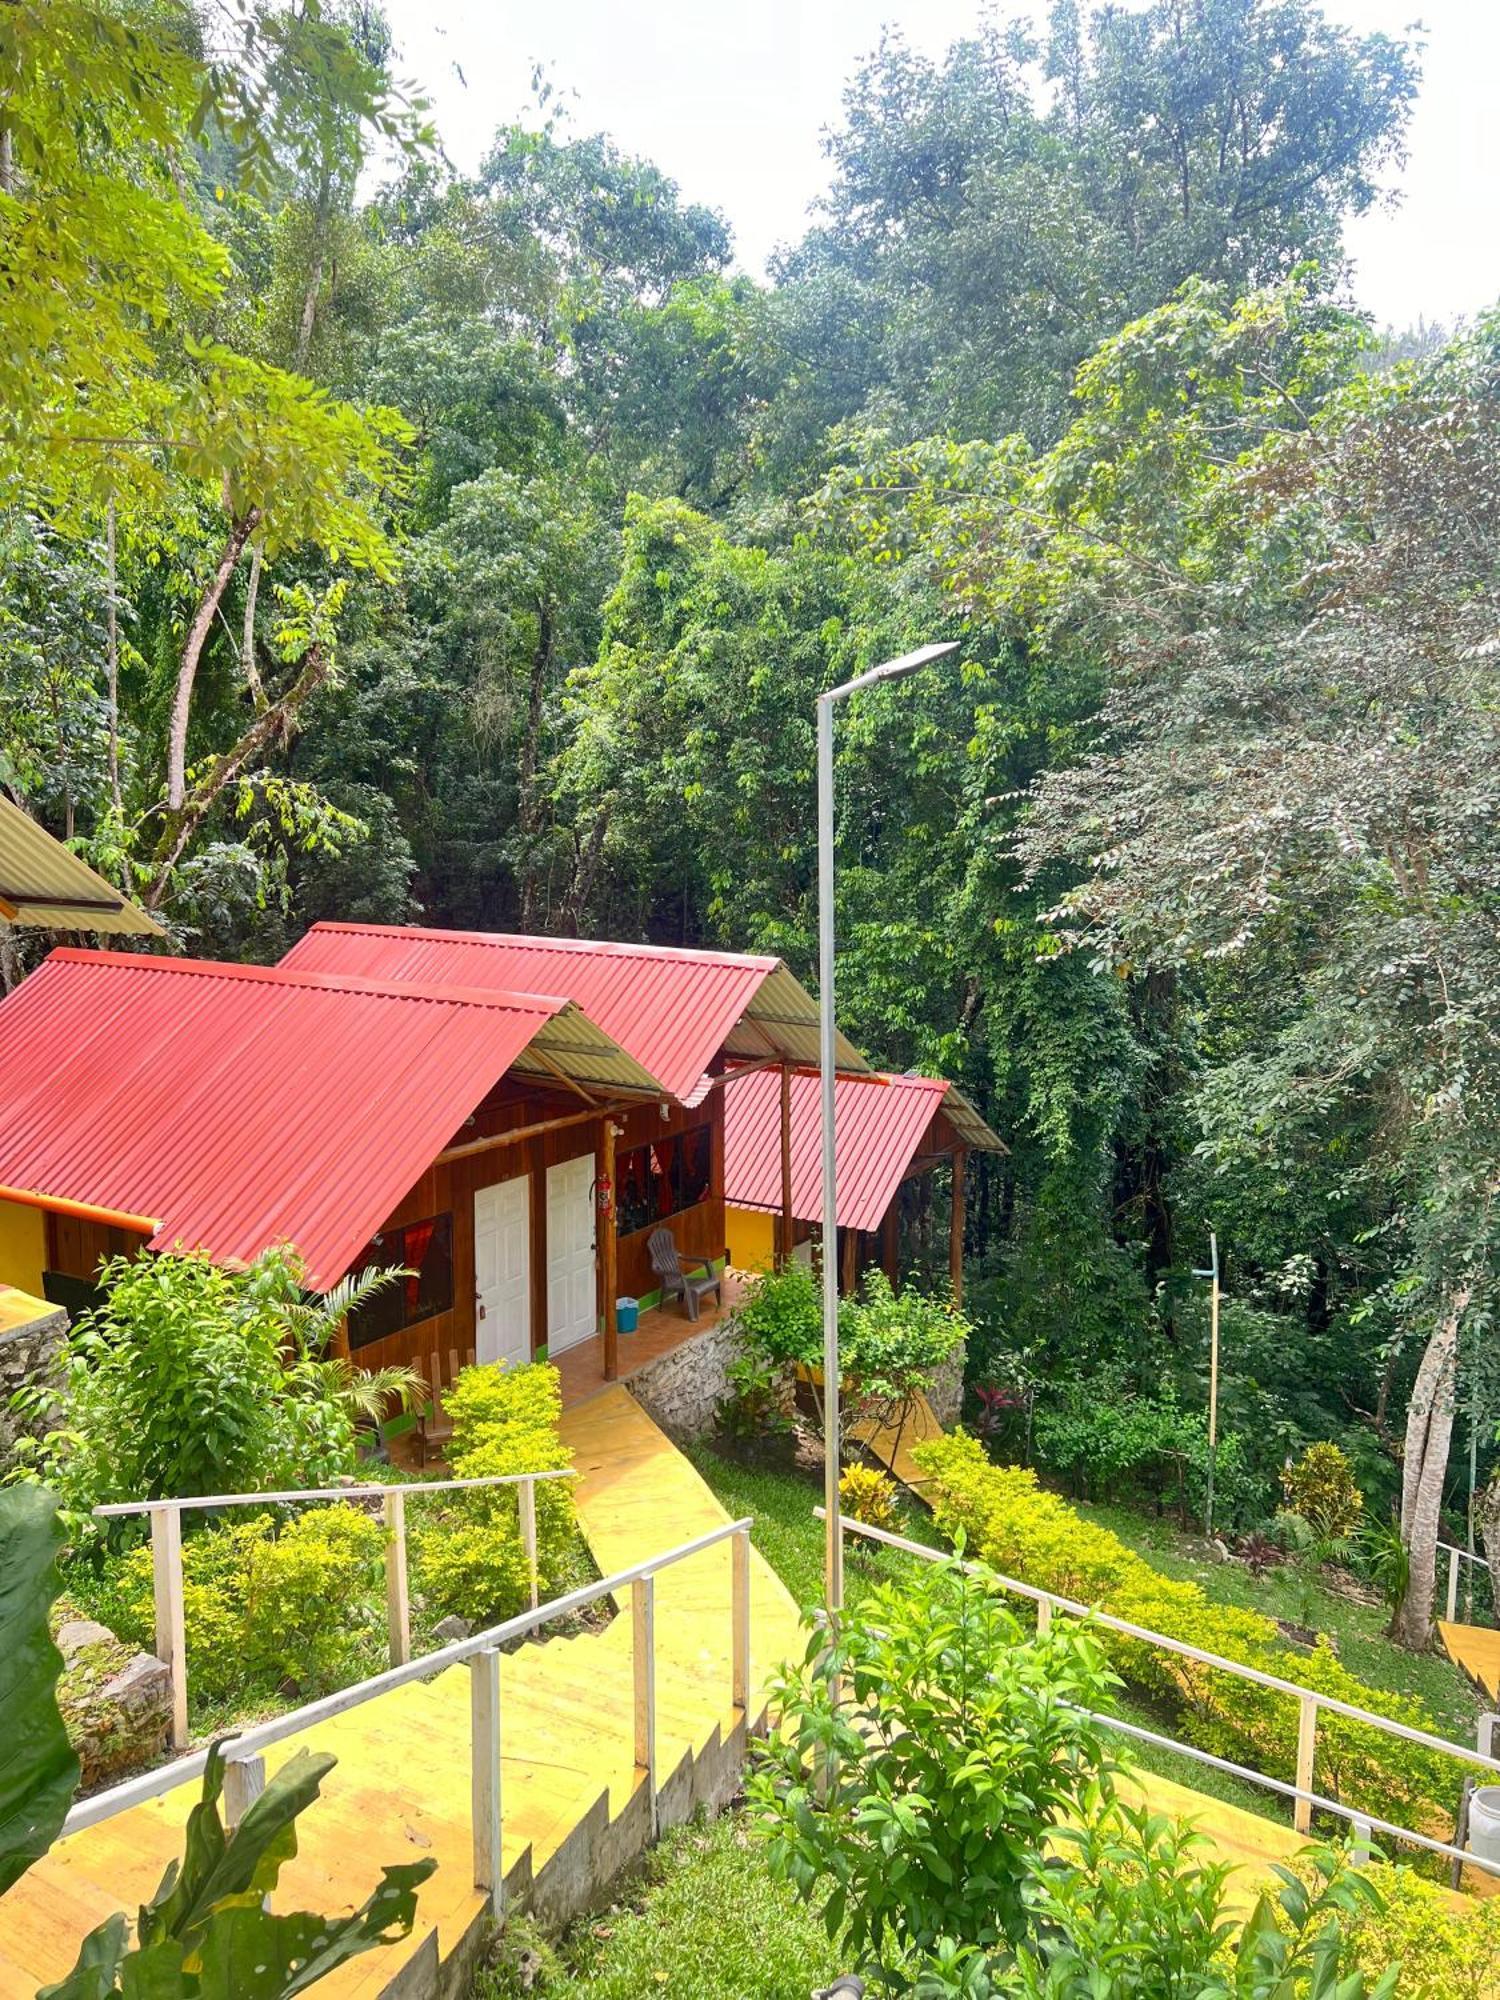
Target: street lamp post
{"x": 833, "y": 1548}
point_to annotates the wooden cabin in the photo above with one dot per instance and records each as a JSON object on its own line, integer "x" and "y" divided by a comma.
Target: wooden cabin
{"x": 507, "y": 1118}
{"x": 891, "y": 1135}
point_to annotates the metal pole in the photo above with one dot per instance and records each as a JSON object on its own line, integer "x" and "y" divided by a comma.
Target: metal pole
{"x": 1213, "y": 1371}
{"x": 833, "y": 1549}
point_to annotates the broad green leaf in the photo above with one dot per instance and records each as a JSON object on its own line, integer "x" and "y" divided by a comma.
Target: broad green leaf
{"x": 38, "y": 1770}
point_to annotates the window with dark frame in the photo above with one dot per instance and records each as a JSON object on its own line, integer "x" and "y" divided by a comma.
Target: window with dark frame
{"x": 663, "y": 1178}
{"x": 425, "y": 1250}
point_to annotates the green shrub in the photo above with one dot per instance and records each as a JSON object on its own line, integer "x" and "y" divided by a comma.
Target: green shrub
{"x": 888, "y": 1342}
{"x": 1441, "y": 1952}
{"x": 1320, "y": 1487}
{"x": 1106, "y": 1442}
{"x": 466, "y": 1552}
{"x": 1128, "y": 1908}
{"x": 190, "y": 1379}
{"x": 1031, "y": 1535}
{"x": 920, "y": 1762}
{"x": 261, "y": 1607}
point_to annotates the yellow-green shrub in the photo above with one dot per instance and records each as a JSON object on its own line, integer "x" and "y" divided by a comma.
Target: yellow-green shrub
{"x": 868, "y": 1496}
{"x": 505, "y": 1420}
{"x": 1443, "y": 1953}
{"x": 1321, "y": 1487}
{"x": 1024, "y": 1532}
{"x": 270, "y": 1606}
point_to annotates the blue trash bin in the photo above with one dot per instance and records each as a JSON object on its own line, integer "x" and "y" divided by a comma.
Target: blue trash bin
{"x": 627, "y": 1314}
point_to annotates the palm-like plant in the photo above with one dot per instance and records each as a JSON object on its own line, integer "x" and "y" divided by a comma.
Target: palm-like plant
{"x": 365, "y": 1394}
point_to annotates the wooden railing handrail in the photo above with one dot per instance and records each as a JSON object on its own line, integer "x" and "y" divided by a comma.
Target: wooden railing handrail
{"x": 1161, "y": 1640}
{"x": 247, "y": 1744}
{"x": 365, "y": 1490}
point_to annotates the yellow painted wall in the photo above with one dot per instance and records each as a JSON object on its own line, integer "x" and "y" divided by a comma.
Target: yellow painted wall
{"x": 752, "y": 1238}
{"x": 23, "y": 1246}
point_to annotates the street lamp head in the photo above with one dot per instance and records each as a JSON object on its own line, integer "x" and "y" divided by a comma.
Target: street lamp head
{"x": 894, "y": 670}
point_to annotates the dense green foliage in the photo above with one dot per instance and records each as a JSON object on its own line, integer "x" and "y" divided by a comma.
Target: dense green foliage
{"x": 476, "y": 547}
{"x": 191, "y": 1379}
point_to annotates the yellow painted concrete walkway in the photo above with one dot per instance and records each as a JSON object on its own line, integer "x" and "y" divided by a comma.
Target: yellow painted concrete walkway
{"x": 401, "y": 1787}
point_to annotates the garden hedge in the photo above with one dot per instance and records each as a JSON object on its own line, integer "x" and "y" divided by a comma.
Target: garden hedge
{"x": 1032, "y": 1535}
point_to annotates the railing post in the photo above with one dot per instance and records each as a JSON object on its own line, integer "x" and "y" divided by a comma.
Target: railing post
{"x": 1361, "y": 1842}
{"x": 1307, "y": 1745}
{"x": 1043, "y": 1617}
{"x": 643, "y": 1657}
{"x": 526, "y": 1502}
{"x": 739, "y": 1620}
{"x": 484, "y": 1736}
{"x": 171, "y": 1635}
{"x": 244, "y": 1781}
{"x": 1452, "y": 1586}
{"x": 1489, "y": 1726}
{"x": 397, "y": 1596}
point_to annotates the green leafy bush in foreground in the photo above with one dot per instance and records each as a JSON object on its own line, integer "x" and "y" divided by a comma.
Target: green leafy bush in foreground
{"x": 1032, "y": 1535}
{"x": 936, "y": 1789}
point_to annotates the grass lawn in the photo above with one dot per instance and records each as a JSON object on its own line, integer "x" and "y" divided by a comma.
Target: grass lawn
{"x": 702, "y": 1920}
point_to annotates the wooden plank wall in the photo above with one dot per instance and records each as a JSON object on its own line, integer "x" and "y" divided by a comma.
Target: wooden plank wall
{"x": 450, "y": 1190}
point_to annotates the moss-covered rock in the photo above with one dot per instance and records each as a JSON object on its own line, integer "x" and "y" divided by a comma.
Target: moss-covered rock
{"x": 116, "y": 1702}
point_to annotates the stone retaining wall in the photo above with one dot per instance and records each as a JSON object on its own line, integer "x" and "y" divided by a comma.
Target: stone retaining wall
{"x": 28, "y": 1353}
{"x": 682, "y": 1390}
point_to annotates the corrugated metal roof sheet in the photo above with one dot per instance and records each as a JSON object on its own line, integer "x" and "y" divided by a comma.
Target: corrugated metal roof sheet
{"x": 673, "y": 1010}
{"x": 879, "y": 1124}
{"x": 241, "y": 1106}
{"x": 44, "y": 885}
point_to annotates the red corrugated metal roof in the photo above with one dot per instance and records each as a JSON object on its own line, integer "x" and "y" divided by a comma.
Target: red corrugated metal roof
{"x": 673, "y": 1010}
{"x": 242, "y": 1106}
{"x": 878, "y": 1125}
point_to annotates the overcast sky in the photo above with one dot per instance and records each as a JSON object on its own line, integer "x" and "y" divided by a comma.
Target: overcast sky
{"x": 730, "y": 97}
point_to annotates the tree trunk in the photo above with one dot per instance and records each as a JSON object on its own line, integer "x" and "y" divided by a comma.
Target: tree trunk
{"x": 1429, "y": 1434}
{"x": 253, "y": 680}
{"x": 192, "y": 651}
{"x": 275, "y": 724}
{"x": 1487, "y": 1509}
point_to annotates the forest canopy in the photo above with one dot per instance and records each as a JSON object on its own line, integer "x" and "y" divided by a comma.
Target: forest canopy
{"x": 380, "y": 540}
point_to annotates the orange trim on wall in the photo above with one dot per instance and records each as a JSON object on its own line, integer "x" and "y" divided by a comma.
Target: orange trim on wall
{"x": 86, "y": 1211}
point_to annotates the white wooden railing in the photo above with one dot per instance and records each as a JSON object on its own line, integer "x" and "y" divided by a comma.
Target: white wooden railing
{"x": 1455, "y": 1556}
{"x": 244, "y": 1771}
{"x": 166, "y": 1556}
{"x": 1310, "y": 1703}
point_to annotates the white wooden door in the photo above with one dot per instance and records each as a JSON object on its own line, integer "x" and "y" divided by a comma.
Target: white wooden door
{"x": 502, "y": 1271}
{"x": 571, "y": 1309}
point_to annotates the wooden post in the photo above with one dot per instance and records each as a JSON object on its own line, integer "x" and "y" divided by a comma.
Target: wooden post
{"x": 784, "y": 1246}
{"x": 1452, "y": 1586}
{"x": 956, "y": 1226}
{"x": 526, "y": 1503}
{"x": 1043, "y": 1617}
{"x": 739, "y": 1618}
{"x": 1488, "y": 1731}
{"x": 171, "y": 1636}
{"x": 849, "y": 1277}
{"x": 537, "y": 1172}
{"x": 1307, "y": 1742}
{"x": 397, "y": 1597}
{"x": 890, "y": 1241}
{"x": 643, "y": 1660}
{"x": 609, "y": 1244}
{"x": 484, "y": 1726}
{"x": 244, "y": 1781}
